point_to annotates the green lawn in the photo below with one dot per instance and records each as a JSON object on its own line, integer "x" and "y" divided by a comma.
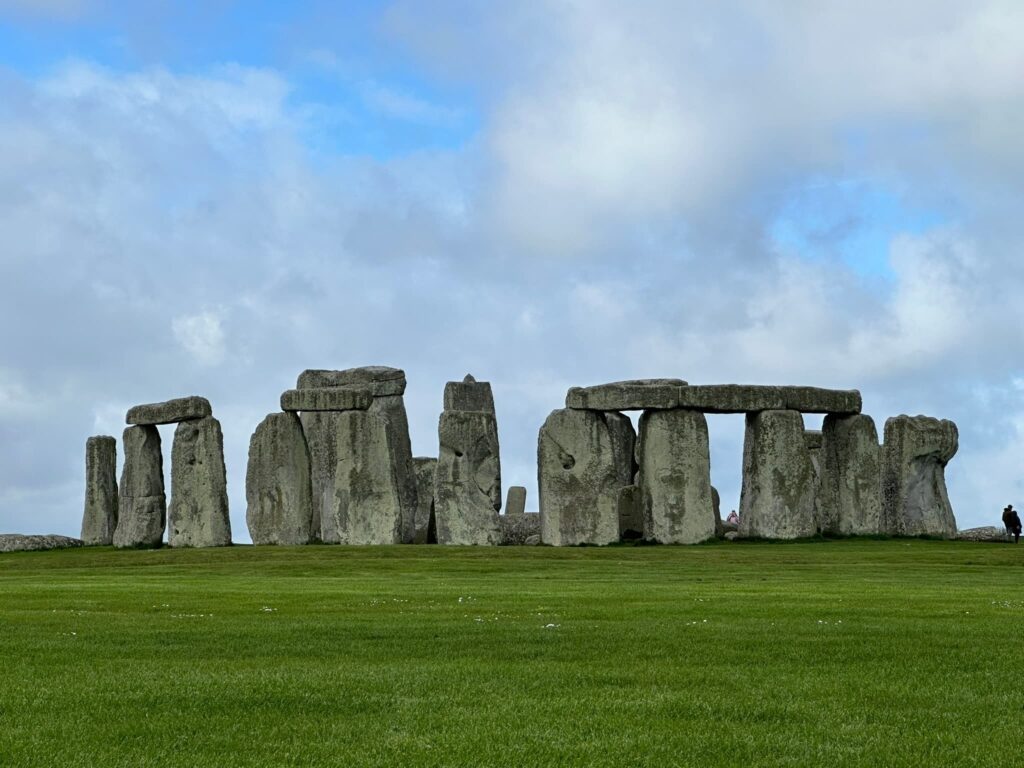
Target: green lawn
{"x": 874, "y": 653}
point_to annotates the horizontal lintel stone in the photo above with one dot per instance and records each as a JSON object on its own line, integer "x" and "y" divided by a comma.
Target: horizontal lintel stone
{"x": 743, "y": 398}
{"x": 170, "y": 412}
{"x": 327, "y": 399}
{"x": 636, "y": 395}
{"x": 382, "y": 380}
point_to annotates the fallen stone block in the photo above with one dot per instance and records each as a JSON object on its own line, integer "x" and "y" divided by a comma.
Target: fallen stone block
{"x": 198, "y": 512}
{"x": 18, "y": 542}
{"x": 777, "y": 499}
{"x": 141, "y": 505}
{"x": 169, "y": 412}
{"x": 519, "y": 527}
{"x": 984, "y": 533}
{"x": 636, "y": 395}
{"x": 581, "y": 468}
{"x": 99, "y": 520}
{"x": 382, "y": 380}
{"x": 278, "y": 490}
{"x": 468, "y": 395}
{"x": 327, "y": 399}
{"x": 467, "y": 486}
{"x": 914, "y": 457}
{"x": 675, "y": 477}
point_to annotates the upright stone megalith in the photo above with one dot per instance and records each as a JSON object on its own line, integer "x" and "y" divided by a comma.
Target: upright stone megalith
{"x": 515, "y": 500}
{"x": 584, "y": 458}
{"x": 99, "y": 520}
{"x": 425, "y": 527}
{"x": 198, "y": 513}
{"x": 277, "y": 483}
{"x": 323, "y": 429}
{"x": 675, "y": 477}
{"x": 777, "y": 497}
{"x": 142, "y": 505}
{"x": 467, "y": 486}
{"x": 849, "y": 501}
{"x": 914, "y": 457}
{"x": 367, "y": 504}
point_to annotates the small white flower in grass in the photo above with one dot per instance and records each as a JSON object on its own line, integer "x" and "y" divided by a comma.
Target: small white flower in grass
{"x": 267, "y": 609}
{"x": 552, "y": 626}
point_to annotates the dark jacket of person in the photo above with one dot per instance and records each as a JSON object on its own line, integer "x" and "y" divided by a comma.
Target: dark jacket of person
{"x": 1012, "y": 520}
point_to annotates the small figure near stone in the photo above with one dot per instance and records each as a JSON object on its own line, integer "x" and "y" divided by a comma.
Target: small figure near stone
{"x": 733, "y": 519}
{"x": 1011, "y": 520}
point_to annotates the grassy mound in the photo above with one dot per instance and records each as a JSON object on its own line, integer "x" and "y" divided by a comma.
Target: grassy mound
{"x": 831, "y": 653}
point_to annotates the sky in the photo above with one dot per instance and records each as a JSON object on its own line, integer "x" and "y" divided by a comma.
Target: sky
{"x": 207, "y": 198}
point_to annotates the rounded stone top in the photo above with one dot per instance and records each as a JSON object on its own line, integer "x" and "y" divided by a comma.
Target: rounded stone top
{"x": 469, "y": 379}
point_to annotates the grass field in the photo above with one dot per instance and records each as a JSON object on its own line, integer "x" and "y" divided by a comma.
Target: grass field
{"x": 880, "y": 653}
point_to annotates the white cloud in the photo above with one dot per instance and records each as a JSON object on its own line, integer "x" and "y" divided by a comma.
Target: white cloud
{"x": 202, "y": 336}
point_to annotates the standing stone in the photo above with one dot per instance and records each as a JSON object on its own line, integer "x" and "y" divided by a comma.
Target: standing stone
{"x": 777, "y": 498}
{"x": 426, "y": 525}
{"x": 675, "y": 477}
{"x": 914, "y": 499}
{"x": 277, "y": 483}
{"x": 716, "y": 502}
{"x": 367, "y": 499}
{"x": 387, "y": 386}
{"x": 142, "y": 506}
{"x": 849, "y": 501}
{"x": 198, "y": 514}
{"x": 813, "y": 439}
{"x": 467, "y": 486}
{"x": 515, "y": 500}
{"x": 100, "y": 518}
{"x": 580, "y": 471}
{"x": 321, "y": 432}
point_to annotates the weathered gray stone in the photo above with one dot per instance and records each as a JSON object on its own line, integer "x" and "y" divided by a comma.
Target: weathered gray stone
{"x": 515, "y": 500}
{"x": 467, "y": 486}
{"x": 142, "y": 505}
{"x": 984, "y": 533}
{"x": 321, "y": 432}
{"x": 812, "y": 439}
{"x": 425, "y": 522}
{"x": 849, "y": 502}
{"x": 383, "y": 381}
{"x": 17, "y": 542}
{"x": 392, "y": 408}
{"x": 675, "y": 477}
{"x": 327, "y": 399}
{"x": 915, "y": 454}
{"x": 468, "y": 395}
{"x": 170, "y": 412}
{"x": 367, "y": 501}
{"x": 99, "y": 520}
{"x": 277, "y": 483}
{"x": 744, "y": 398}
{"x": 580, "y": 469}
{"x": 532, "y": 541}
{"x": 631, "y": 513}
{"x": 716, "y": 502}
{"x": 636, "y": 395}
{"x": 777, "y": 498}
{"x": 198, "y": 512}
{"x": 519, "y": 527}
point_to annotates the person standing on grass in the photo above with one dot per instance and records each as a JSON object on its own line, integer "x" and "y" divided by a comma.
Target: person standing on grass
{"x": 1012, "y": 522}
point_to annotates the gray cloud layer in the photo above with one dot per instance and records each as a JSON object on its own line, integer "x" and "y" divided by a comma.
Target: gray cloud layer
{"x": 163, "y": 234}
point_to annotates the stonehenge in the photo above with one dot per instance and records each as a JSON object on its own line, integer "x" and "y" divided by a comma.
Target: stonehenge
{"x": 335, "y": 465}
{"x": 100, "y": 517}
